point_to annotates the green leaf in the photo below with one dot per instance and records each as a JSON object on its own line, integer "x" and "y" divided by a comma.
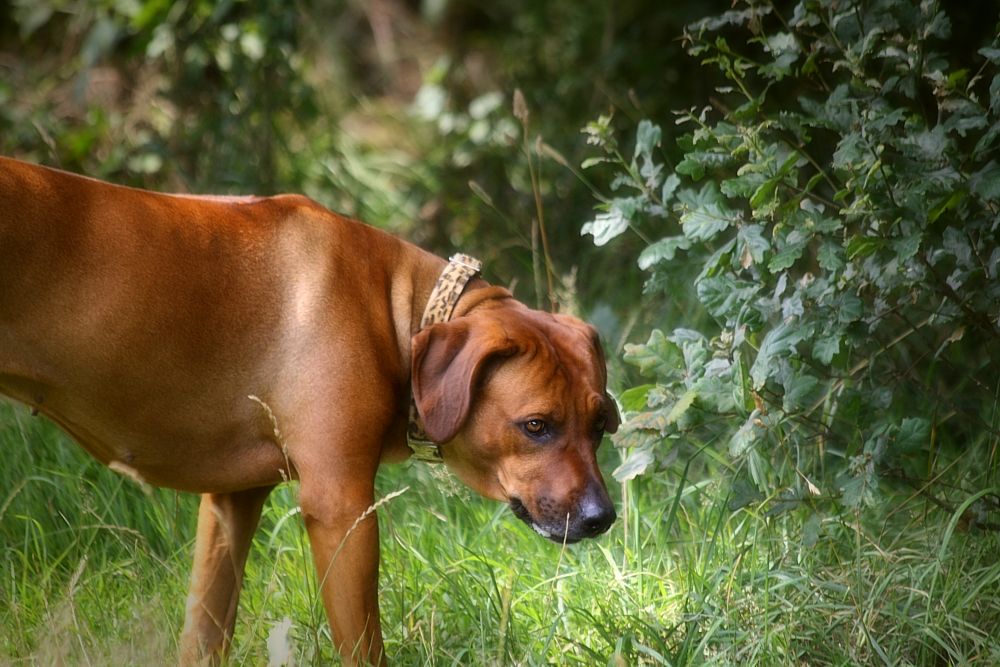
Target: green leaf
{"x": 784, "y": 503}
{"x": 653, "y": 420}
{"x": 986, "y": 182}
{"x": 947, "y": 203}
{"x": 633, "y": 438}
{"x": 706, "y": 214}
{"x": 764, "y": 192}
{"x": 724, "y": 297}
{"x": 830, "y": 256}
{"x": 743, "y": 185}
{"x": 851, "y": 153}
{"x": 850, "y": 309}
{"x": 907, "y": 246}
{"x": 753, "y": 244}
{"x": 594, "y": 161}
{"x": 634, "y": 399}
{"x": 662, "y": 251}
{"x": 826, "y": 225}
{"x": 694, "y": 347}
{"x": 991, "y": 54}
{"x": 647, "y": 137}
{"x": 781, "y": 67}
{"x": 716, "y": 392}
{"x": 669, "y": 188}
{"x": 636, "y": 463}
{"x": 643, "y": 429}
{"x": 964, "y": 116}
{"x": 692, "y": 168}
{"x": 914, "y": 434}
{"x": 778, "y": 343}
{"x": 826, "y": 348}
{"x": 863, "y": 246}
{"x": 718, "y": 261}
{"x": 606, "y": 226}
{"x": 614, "y": 222}
{"x": 739, "y": 377}
{"x": 658, "y": 358}
{"x": 928, "y": 145}
{"x": 681, "y": 406}
{"x": 801, "y": 392}
{"x": 737, "y": 17}
{"x": 743, "y": 493}
{"x": 660, "y": 395}
{"x": 704, "y": 223}
{"x": 745, "y": 436}
{"x": 811, "y": 530}
{"x": 794, "y": 244}
{"x": 858, "y": 491}
{"x": 784, "y": 258}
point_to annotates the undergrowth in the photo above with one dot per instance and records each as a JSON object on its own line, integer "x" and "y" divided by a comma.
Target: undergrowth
{"x": 93, "y": 571}
{"x": 830, "y": 240}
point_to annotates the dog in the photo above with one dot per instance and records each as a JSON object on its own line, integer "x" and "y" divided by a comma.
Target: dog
{"x": 168, "y": 334}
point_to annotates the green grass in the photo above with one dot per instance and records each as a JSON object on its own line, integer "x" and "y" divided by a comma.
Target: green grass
{"x": 93, "y": 571}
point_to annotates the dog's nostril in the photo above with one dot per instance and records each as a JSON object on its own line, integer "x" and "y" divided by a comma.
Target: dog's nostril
{"x": 597, "y": 519}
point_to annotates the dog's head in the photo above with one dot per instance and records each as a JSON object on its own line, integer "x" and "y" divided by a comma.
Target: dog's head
{"x": 518, "y": 399}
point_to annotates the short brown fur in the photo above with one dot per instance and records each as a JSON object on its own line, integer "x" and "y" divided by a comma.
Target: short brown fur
{"x": 141, "y": 322}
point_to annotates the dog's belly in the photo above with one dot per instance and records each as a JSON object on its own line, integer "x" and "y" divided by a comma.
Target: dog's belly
{"x": 223, "y": 448}
{"x": 225, "y": 464}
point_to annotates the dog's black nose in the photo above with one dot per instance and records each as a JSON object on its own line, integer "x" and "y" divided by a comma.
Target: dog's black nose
{"x": 596, "y": 514}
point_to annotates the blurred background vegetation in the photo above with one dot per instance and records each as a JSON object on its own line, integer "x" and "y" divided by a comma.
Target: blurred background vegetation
{"x": 397, "y": 112}
{"x": 758, "y": 181}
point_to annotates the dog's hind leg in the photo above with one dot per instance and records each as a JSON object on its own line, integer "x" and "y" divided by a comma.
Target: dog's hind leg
{"x": 226, "y": 525}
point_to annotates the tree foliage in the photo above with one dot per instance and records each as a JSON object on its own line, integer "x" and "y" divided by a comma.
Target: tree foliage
{"x": 837, "y": 211}
{"x": 815, "y": 231}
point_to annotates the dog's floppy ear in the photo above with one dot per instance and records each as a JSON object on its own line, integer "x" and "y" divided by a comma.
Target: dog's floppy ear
{"x": 447, "y": 361}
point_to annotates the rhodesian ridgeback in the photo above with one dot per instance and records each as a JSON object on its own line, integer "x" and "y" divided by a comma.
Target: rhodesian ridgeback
{"x": 141, "y": 323}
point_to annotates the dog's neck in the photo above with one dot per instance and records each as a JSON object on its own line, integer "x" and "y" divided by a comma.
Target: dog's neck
{"x": 439, "y": 308}
{"x": 448, "y": 289}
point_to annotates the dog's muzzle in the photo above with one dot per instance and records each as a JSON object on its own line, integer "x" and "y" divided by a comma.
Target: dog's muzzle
{"x": 592, "y": 516}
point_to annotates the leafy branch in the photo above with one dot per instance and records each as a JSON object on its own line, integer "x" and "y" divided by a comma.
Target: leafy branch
{"x": 826, "y": 232}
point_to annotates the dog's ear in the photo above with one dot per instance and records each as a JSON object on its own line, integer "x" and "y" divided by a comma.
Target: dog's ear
{"x": 611, "y": 415}
{"x": 447, "y": 361}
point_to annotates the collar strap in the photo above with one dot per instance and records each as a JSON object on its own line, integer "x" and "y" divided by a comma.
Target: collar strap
{"x": 440, "y": 306}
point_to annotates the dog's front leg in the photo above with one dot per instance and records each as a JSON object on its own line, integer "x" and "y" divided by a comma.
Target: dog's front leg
{"x": 226, "y": 525}
{"x": 343, "y": 534}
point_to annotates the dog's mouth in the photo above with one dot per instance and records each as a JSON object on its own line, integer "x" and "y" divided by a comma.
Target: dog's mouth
{"x": 522, "y": 513}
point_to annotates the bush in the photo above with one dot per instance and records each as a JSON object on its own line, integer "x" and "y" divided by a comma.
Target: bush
{"x": 836, "y": 209}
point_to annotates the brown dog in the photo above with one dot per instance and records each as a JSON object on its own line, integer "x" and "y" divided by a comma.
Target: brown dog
{"x": 141, "y": 322}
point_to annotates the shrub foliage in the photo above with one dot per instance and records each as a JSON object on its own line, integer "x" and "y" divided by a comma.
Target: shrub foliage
{"x": 835, "y": 214}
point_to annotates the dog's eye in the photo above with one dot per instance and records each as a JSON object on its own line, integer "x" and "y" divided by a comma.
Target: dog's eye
{"x": 536, "y": 427}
